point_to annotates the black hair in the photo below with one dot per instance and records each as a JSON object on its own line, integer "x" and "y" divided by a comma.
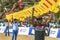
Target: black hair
{"x": 15, "y": 19}
{"x": 6, "y": 20}
{"x": 40, "y": 18}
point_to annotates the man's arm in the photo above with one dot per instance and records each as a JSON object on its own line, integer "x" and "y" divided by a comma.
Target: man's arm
{"x": 48, "y": 21}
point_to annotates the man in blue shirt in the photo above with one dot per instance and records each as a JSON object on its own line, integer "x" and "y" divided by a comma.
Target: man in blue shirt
{"x": 15, "y": 30}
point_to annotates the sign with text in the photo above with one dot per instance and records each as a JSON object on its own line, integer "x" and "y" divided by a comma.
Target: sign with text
{"x": 23, "y": 30}
{"x": 53, "y": 32}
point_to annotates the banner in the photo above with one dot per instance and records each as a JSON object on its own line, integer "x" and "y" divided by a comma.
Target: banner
{"x": 2, "y": 29}
{"x": 31, "y": 31}
{"x": 53, "y": 32}
{"x": 23, "y": 30}
{"x": 58, "y": 35}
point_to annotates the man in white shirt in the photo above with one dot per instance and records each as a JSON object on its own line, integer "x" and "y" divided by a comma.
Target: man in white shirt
{"x": 15, "y": 30}
{"x": 7, "y": 28}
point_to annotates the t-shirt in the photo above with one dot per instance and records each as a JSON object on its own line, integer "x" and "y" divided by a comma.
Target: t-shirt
{"x": 15, "y": 26}
{"x": 39, "y": 25}
{"x": 6, "y": 24}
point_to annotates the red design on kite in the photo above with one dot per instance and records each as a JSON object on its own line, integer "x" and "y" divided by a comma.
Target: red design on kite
{"x": 45, "y": 5}
{"x": 42, "y": 6}
{"x": 55, "y": 0}
{"x": 49, "y": 2}
{"x": 41, "y": 9}
{"x": 29, "y": 11}
{"x": 35, "y": 10}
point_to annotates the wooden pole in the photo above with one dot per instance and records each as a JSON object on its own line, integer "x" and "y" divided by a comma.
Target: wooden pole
{"x": 12, "y": 20}
{"x": 32, "y": 16}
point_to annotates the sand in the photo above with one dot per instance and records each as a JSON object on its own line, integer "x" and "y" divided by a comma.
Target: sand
{"x": 24, "y": 37}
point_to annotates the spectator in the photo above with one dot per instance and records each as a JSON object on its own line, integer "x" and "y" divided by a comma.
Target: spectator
{"x": 7, "y": 28}
{"x": 15, "y": 30}
{"x": 31, "y": 25}
{"x": 40, "y": 24}
{"x": 28, "y": 25}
